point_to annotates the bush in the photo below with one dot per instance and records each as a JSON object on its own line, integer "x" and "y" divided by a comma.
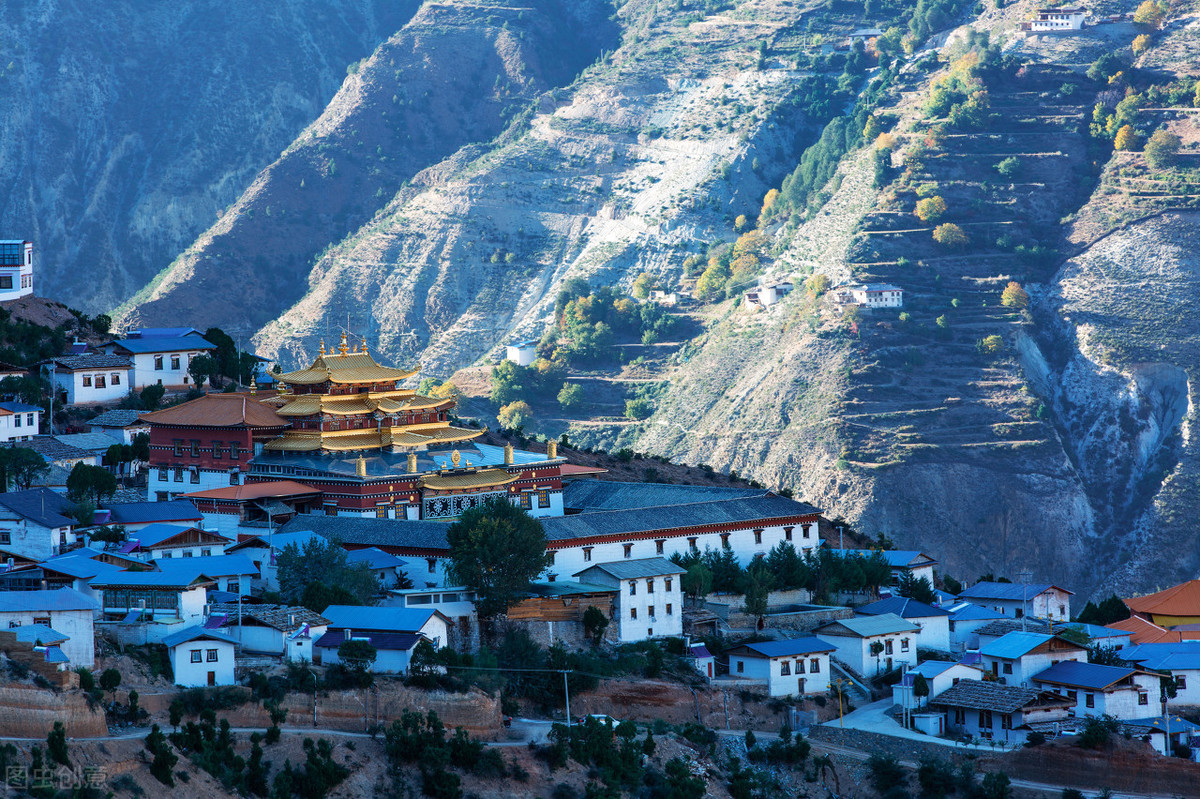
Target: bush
{"x": 1162, "y": 150}
{"x": 931, "y": 209}
{"x": 950, "y": 236}
{"x": 1097, "y": 730}
{"x": 515, "y": 415}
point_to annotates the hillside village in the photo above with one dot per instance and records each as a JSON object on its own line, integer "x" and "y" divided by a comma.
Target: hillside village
{"x": 290, "y": 553}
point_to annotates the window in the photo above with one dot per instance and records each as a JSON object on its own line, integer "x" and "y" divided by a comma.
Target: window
{"x": 13, "y": 624}
{"x": 158, "y": 363}
{"x": 903, "y": 644}
{"x": 805, "y": 528}
{"x": 787, "y": 534}
{"x": 633, "y": 588}
{"x": 785, "y": 669}
{"x": 667, "y": 583}
{"x": 195, "y": 475}
{"x": 587, "y": 554}
{"x": 550, "y": 558}
{"x": 658, "y": 547}
{"x": 178, "y": 474}
{"x": 1089, "y": 700}
{"x": 725, "y": 540}
{"x": 887, "y": 647}
{"x": 29, "y": 419}
{"x": 741, "y": 666}
{"x": 1006, "y": 721}
{"x": 17, "y": 420}
{"x": 100, "y": 383}
{"x": 1018, "y": 613}
{"x": 217, "y": 450}
{"x": 985, "y": 719}
{"x": 1143, "y": 698}
{"x": 1180, "y": 682}
{"x": 650, "y": 586}
{"x": 195, "y": 656}
{"x": 235, "y": 451}
{"x": 633, "y": 614}
{"x": 628, "y": 550}
{"x": 670, "y": 609}
{"x": 87, "y": 381}
{"x": 175, "y": 362}
{"x": 800, "y": 666}
{"x": 187, "y": 553}
{"x": 195, "y": 448}
{"x": 381, "y": 511}
{"x": 178, "y": 444}
{"x": 212, "y": 656}
{"x": 758, "y": 536}
{"x": 692, "y": 545}
{"x": 233, "y": 477}
{"x": 1073, "y": 695}
{"x": 166, "y": 554}
{"x": 6, "y": 282}
{"x": 206, "y": 553}
{"x": 960, "y": 716}
{"x": 527, "y": 500}
{"x": 543, "y": 499}
{"x": 432, "y": 563}
{"x": 814, "y": 666}
{"x": 650, "y": 610}
{"x": 1008, "y": 668}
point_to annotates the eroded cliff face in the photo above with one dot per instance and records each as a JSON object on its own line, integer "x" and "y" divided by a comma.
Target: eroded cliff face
{"x": 457, "y": 73}
{"x": 129, "y": 126}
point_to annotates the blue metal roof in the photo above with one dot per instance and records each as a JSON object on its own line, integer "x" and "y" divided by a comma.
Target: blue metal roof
{"x": 20, "y": 407}
{"x": 41, "y": 506}
{"x": 154, "y": 344}
{"x": 903, "y": 607}
{"x": 1095, "y": 631}
{"x": 614, "y": 495}
{"x": 790, "y": 647}
{"x": 56, "y": 655}
{"x": 176, "y": 510}
{"x": 970, "y": 612}
{"x": 1011, "y": 646}
{"x": 196, "y": 632}
{"x": 1147, "y": 652}
{"x": 33, "y": 633}
{"x": 155, "y": 533}
{"x": 374, "y": 557}
{"x": 1007, "y": 591}
{"x": 367, "y": 618}
{"x": 1083, "y": 675}
{"x": 56, "y": 599}
{"x": 212, "y": 565}
{"x": 1161, "y": 723}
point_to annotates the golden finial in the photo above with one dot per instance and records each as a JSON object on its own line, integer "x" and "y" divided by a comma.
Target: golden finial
{"x": 364, "y": 345}
{"x": 455, "y": 458}
{"x": 412, "y": 462}
{"x": 322, "y": 346}
{"x": 344, "y": 349}
{"x": 508, "y": 454}
{"x": 253, "y": 386}
{"x": 360, "y": 468}
{"x": 551, "y": 449}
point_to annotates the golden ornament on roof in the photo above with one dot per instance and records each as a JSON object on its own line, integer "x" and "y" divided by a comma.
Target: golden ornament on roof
{"x": 455, "y": 457}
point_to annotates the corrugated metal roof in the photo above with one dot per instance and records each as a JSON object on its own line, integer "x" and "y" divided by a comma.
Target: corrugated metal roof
{"x": 789, "y": 647}
{"x": 1083, "y": 675}
{"x": 41, "y": 506}
{"x": 1008, "y": 591}
{"x": 212, "y": 565}
{"x": 867, "y": 626}
{"x": 55, "y": 599}
{"x": 176, "y": 510}
{"x": 34, "y": 633}
{"x": 1015, "y": 644}
{"x": 375, "y": 558}
{"x": 390, "y": 641}
{"x": 635, "y": 569}
{"x": 363, "y": 617}
{"x": 903, "y": 607}
{"x": 194, "y": 633}
{"x": 970, "y": 612}
{"x": 151, "y": 344}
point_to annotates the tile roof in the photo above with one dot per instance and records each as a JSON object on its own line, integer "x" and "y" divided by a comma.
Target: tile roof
{"x": 176, "y": 510}
{"x": 401, "y": 533}
{"x": 218, "y": 410}
{"x": 280, "y": 617}
{"x": 149, "y": 344}
{"x": 1004, "y": 626}
{"x": 786, "y": 648}
{"x": 904, "y": 607}
{"x": 53, "y": 599}
{"x": 1178, "y": 600}
{"x": 981, "y": 695}
{"x": 867, "y": 626}
{"x": 252, "y": 491}
{"x": 612, "y": 495}
{"x": 389, "y": 619}
{"x": 390, "y": 641}
{"x": 194, "y": 633}
{"x": 53, "y": 450}
{"x": 1008, "y": 591}
{"x": 1083, "y": 675}
{"x": 88, "y": 442}
{"x": 118, "y": 417}
{"x": 41, "y": 506}
{"x": 632, "y": 569}
{"x": 91, "y": 360}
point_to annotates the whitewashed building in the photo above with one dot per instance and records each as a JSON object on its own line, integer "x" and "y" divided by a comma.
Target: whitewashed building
{"x": 1117, "y": 691}
{"x": 872, "y": 645}
{"x": 394, "y": 632}
{"x": 285, "y": 631}
{"x": 933, "y": 623}
{"x": 16, "y": 269}
{"x": 91, "y": 378}
{"x": 159, "y": 542}
{"x": 159, "y": 359}
{"x": 19, "y": 422}
{"x": 939, "y": 675}
{"x": 120, "y": 424}
{"x": 877, "y": 295}
{"x": 523, "y": 353}
{"x": 63, "y": 609}
{"x": 1014, "y": 658}
{"x": 649, "y": 596}
{"x": 1057, "y": 20}
{"x": 201, "y": 657}
{"x": 36, "y": 523}
{"x": 993, "y": 711}
{"x": 1041, "y": 600}
{"x": 793, "y": 667}
{"x": 233, "y": 574}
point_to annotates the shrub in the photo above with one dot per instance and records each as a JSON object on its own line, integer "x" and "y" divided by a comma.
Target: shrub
{"x": 1014, "y": 296}
{"x": 515, "y": 415}
{"x": 1162, "y": 150}
{"x": 950, "y": 236}
{"x": 1097, "y": 730}
{"x": 570, "y": 396}
{"x": 931, "y": 209}
{"x": 1009, "y": 167}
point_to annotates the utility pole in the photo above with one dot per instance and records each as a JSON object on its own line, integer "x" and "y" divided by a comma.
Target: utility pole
{"x": 841, "y": 537}
{"x": 1024, "y": 576}
{"x": 567, "y": 695}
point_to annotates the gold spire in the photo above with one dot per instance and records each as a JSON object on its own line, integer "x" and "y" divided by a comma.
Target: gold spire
{"x": 253, "y": 386}
{"x": 412, "y": 462}
{"x": 322, "y": 346}
{"x": 364, "y": 345}
{"x": 508, "y": 454}
{"x": 551, "y": 449}
{"x": 344, "y": 349}
{"x": 360, "y": 467}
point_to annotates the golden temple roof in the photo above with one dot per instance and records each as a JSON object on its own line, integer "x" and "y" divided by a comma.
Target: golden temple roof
{"x": 352, "y": 440}
{"x": 484, "y": 478}
{"x": 356, "y": 404}
{"x": 345, "y": 367}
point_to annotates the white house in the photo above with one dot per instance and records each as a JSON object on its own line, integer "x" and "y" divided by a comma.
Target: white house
{"x": 91, "y": 378}
{"x": 120, "y": 424}
{"x": 1163, "y": 733}
{"x": 649, "y": 596}
{"x": 877, "y": 295}
{"x": 394, "y": 632}
{"x": 993, "y": 711}
{"x": 201, "y": 657}
{"x": 167, "y": 597}
{"x": 387, "y": 568}
{"x": 522, "y": 353}
{"x": 165, "y": 541}
{"x": 795, "y": 667}
{"x": 134, "y": 516}
{"x": 1014, "y": 658}
{"x": 36, "y": 523}
{"x": 939, "y": 675}
{"x": 702, "y": 660}
{"x": 1043, "y": 600}
{"x": 19, "y": 422}
{"x": 1120, "y": 692}
{"x": 264, "y": 549}
{"x": 872, "y": 645}
{"x": 16, "y": 269}
{"x": 1180, "y": 659}
{"x": 64, "y": 610}
{"x": 1054, "y": 20}
{"x": 232, "y": 573}
{"x": 766, "y": 296}
{"x": 286, "y": 631}
{"x": 934, "y": 623}
{"x": 965, "y": 620}
{"x": 159, "y": 359}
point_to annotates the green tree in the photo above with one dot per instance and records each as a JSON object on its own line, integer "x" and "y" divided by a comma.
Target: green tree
{"x": 951, "y": 236}
{"x": 571, "y": 395}
{"x": 509, "y": 383}
{"x": 56, "y": 745}
{"x": 1162, "y": 149}
{"x": 1151, "y": 13}
{"x": 21, "y": 467}
{"x": 757, "y": 590}
{"x": 644, "y": 284}
{"x": 163, "y": 765}
{"x": 324, "y": 564}
{"x": 817, "y": 284}
{"x": 90, "y": 483}
{"x": 141, "y": 447}
{"x": 201, "y": 368}
{"x": 920, "y": 688}
{"x": 638, "y": 408}
{"x": 110, "y": 681}
{"x": 357, "y": 654}
{"x": 697, "y": 581}
{"x": 1141, "y": 44}
{"x": 990, "y": 345}
{"x": 152, "y": 395}
{"x": 495, "y": 550}
{"x": 594, "y": 624}
{"x": 919, "y": 589}
{"x": 1014, "y": 296}
{"x": 515, "y": 415}
{"x": 931, "y": 209}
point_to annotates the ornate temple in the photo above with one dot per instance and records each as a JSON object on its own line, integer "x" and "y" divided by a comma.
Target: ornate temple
{"x": 340, "y": 437}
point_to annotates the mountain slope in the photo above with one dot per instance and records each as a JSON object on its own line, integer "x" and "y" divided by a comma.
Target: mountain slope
{"x": 128, "y": 126}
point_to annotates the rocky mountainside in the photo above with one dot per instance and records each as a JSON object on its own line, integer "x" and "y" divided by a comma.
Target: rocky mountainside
{"x": 484, "y": 156}
{"x": 129, "y": 127}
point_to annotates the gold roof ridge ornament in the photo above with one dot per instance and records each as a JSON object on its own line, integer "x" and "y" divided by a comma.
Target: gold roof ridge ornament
{"x": 455, "y": 458}
{"x": 344, "y": 350}
{"x": 253, "y": 386}
{"x": 322, "y": 346}
{"x": 360, "y": 466}
{"x": 364, "y": 345}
